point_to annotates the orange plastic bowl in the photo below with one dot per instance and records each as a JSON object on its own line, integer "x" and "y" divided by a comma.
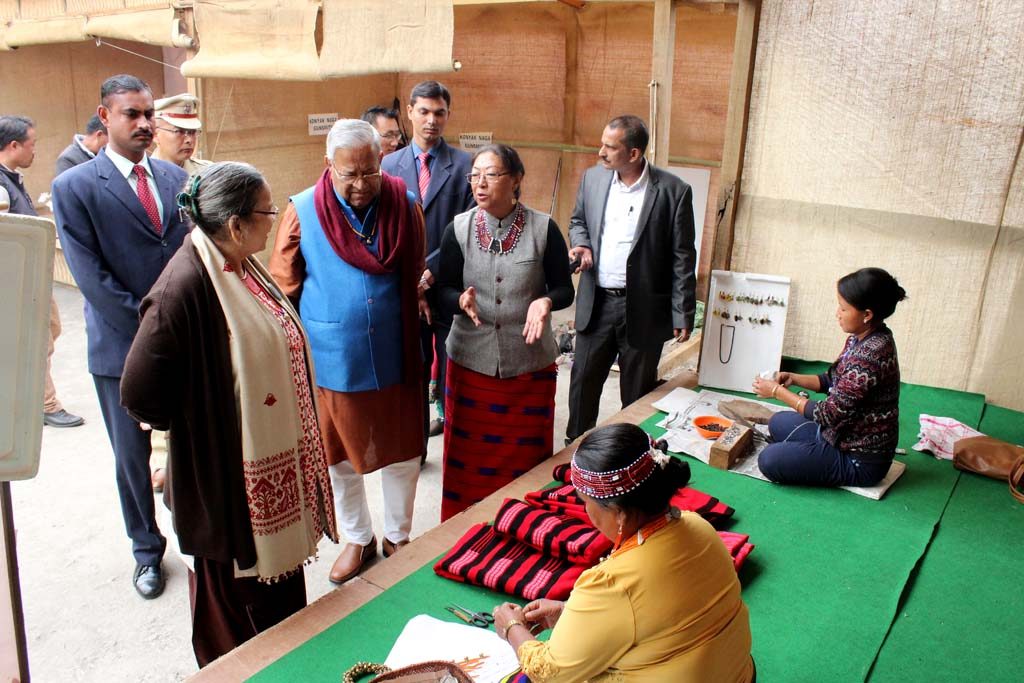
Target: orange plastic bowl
{"x": 711, "y": 426}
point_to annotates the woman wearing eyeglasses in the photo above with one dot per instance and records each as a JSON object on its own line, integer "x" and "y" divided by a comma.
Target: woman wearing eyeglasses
{"x": 503, "y": 270}
{"x": 222, "y": 360}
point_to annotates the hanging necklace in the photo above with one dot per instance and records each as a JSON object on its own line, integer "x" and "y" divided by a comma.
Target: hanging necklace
{"x": 366, "y": 237}
{"x": 490, "y": 242}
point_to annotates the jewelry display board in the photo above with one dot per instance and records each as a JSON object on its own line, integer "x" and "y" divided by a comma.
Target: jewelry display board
{"x": 744, "y": 324}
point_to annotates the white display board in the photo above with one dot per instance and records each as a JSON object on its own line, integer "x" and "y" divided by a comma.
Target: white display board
{"x": 26, "y": 281}
{"x": 699, "y": 180}
{"x": 744, "y": 324}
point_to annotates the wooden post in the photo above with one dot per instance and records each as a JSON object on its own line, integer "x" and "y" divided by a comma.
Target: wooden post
{"x": 195, "y": 85}
{"x": 663, "y": 54}
{"x": 744, "y": 51}
{"x": 565, "y": 193}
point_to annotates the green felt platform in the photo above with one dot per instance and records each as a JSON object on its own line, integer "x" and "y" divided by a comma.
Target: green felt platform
{"x": 823, "y": 583}
{"x": 961, "y": 620}
{"x": 368, "y": 633}
{"x": 826, "y": 577}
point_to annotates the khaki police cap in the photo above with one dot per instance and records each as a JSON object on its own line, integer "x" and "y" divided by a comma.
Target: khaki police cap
{"x": 179, "y": 110}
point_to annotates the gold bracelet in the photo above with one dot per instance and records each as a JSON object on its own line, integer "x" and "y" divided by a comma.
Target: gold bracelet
{"x": 774, "y": 390}
{"x": 508, "y": 626}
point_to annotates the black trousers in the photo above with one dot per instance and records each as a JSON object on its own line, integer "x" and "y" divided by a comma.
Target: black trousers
{"x": 131, "y": 465}
{"x": 596, "y": 350}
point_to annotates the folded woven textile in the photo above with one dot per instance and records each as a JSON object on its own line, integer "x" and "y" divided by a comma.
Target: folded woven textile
{"x": 558, "y": 535}
{"x": 737, "y": 546}
{"x": 485, "y": 557}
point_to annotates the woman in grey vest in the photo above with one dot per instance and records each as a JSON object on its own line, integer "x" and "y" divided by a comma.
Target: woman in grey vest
{"x": 503, "y": 268}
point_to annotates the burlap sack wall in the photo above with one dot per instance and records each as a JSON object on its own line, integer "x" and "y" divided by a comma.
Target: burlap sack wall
{"x": 58, "y": 87}
{"x": 885, "y": 135}
{"x": 265, "y": 123}
{"x": 553, "y": 74}
{"x": 543, "y": 74}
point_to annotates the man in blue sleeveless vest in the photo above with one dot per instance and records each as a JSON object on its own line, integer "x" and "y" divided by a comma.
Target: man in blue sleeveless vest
{"x": 350, "y": 252}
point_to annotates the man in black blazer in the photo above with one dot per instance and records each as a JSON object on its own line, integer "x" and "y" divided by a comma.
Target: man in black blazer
{"x": 632, "y": 230}
{"x": 444, "y": 192}
{"x": 118, "y": 227}
{"x": 83, "y": 147}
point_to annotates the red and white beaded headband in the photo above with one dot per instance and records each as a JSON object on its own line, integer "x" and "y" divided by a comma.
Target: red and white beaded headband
{"x": 616, "y": 482}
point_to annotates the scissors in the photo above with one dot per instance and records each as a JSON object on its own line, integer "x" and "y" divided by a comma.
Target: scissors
{"x": 479, "y": 619}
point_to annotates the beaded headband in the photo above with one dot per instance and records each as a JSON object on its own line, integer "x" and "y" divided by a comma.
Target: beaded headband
{"x": 616, "y": 482}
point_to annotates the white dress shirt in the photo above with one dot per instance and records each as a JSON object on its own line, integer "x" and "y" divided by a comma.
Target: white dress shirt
{"x": 79, "y": 140}
{"x": 621, "y": 213}
{"x": 126, "y": 168}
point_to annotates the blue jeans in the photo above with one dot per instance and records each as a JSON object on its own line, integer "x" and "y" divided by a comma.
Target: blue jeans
{"x": 798, "y": 455}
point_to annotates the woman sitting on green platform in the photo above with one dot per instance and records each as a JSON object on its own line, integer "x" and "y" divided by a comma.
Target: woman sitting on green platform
{"x": 664, "y": 606}
{"x": 848, "y": 439}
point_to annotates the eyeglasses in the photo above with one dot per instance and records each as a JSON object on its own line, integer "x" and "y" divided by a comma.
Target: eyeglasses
{"x": 392, "y": 135}
{"x": 273, "y": 212}
{"x": 181, "y": 132}
{"x": 474, "y": 178}
{"x": 352, "y": 179}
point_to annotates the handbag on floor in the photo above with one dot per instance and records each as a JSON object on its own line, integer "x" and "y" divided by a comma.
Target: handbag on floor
{"x": 1016, "y": 480}
{"x": 991, "y": 458}
{"x": 424, "y": 672}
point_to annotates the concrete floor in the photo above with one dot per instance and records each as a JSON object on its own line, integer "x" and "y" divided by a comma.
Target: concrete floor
{"x": 84, "y": 620}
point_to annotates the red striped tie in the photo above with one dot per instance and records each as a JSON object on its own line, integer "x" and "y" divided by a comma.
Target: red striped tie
{"x": 424, "y": 174}
{"x": 147, "y": 199}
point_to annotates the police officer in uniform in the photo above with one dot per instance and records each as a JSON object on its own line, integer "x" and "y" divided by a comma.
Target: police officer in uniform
{"x": 177, "y": 132}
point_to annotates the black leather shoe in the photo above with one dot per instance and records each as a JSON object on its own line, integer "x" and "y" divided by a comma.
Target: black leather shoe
{"x": 149, "y": 581}
{"x": 62, "y": 418}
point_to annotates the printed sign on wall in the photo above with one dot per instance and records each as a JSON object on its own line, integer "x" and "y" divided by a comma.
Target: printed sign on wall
{"x": 320, "y": 124}
{"x": 474, "y": 141}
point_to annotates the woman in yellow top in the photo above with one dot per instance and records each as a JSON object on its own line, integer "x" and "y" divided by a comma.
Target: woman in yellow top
{"x": 664, "y": 606}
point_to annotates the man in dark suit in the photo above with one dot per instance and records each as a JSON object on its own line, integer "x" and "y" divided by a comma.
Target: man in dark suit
{"x": 632, "y": 230}
{"x": 436, "y": 173}
{"x": 83, "y": 147}
{"x": 119, "y": 227}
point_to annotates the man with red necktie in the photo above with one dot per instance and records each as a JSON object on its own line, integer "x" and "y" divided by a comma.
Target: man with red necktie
{"x": 119, "y": 227}
{"x": 436, "y": 172}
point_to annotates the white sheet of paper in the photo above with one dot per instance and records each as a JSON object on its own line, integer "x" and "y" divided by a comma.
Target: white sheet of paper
{"x": 479, "y": 652}
{"x": 682, "y": 437}
{"x": 676, "y": 401}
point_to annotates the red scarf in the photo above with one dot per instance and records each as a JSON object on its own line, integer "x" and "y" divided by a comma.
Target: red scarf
{"x": 401, "y": 247}
{"x": 394, "y": 222}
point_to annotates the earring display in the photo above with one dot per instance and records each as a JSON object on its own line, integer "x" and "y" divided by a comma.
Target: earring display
{"x": 747, "y": 314}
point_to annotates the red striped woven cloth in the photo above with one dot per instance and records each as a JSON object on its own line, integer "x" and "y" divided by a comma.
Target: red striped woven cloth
{"x": 484, "y": 557}
{"x": 560, "y": 536}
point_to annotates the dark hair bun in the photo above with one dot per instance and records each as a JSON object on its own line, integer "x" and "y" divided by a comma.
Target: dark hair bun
{"x": 872, "y": 289}
{"x": 676, "y": 473}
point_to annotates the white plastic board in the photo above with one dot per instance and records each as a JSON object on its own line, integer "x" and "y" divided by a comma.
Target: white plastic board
{"x": 741, "y": 338}
{"x": 699, "y": 180}
{"x": 26, "y": 281}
